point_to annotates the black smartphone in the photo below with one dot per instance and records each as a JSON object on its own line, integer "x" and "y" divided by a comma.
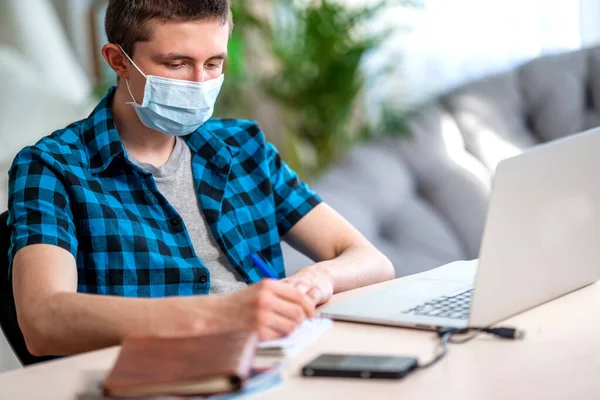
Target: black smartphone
{"x": 360, "y": 366}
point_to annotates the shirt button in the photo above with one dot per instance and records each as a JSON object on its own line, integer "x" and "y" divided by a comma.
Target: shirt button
{"x": 203, "y": 278}
{"x": 175, "y": 222}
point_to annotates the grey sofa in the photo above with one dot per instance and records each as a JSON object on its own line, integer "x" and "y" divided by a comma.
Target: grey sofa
{"x": 422, "y": 199}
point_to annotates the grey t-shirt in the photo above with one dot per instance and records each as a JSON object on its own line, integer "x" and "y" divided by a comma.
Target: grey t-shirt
{"x": 175, "y": 181}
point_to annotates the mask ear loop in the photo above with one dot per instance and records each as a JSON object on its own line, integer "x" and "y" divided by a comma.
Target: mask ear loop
{"x": 127, "y": 80}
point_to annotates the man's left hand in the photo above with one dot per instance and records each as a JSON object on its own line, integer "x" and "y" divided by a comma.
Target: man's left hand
{"x": 314, "y": 281}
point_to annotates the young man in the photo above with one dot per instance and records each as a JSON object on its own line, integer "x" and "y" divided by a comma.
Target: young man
{"x": 123, "y": 221}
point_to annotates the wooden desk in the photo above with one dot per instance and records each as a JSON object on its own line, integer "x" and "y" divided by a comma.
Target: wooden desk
{"x": 559, "y": 359}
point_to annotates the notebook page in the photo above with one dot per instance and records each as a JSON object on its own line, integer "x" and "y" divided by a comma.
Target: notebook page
{"x": 306, "y": 333}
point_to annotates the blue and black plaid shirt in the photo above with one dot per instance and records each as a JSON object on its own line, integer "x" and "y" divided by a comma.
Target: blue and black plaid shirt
{"x": 77, "y": 189}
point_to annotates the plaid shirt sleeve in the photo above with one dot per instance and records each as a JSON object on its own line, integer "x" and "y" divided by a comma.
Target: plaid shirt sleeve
{"x": 39, "y": 210}
{"x": 293, "y": 198}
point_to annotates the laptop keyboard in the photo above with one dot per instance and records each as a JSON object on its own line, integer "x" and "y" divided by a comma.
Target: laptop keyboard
{"x": 456, "y": 307}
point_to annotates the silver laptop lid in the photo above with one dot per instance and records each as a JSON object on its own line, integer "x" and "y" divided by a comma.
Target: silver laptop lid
{"x": 542, "y": 234}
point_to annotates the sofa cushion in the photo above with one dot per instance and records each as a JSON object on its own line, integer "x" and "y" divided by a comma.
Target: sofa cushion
{"x": 376, "y": 192}
{"x": 373, "y": 175}
{"x": 418, "y": 238}
{"x": 544, "y": 99}
{"x": 555, "y": 94}
{"x": 490, "y": 113}
{"x": 454, "y": 182}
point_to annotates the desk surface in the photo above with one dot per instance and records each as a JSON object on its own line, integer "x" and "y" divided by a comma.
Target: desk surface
{"x": 559, "y": 359}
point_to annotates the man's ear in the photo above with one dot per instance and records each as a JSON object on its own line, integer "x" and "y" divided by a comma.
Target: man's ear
{"x": 116, "y": 59}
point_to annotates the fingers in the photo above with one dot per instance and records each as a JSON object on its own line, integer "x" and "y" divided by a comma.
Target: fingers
{"x": 303, "y": 286}
{"x": 290, "y": 311}
{"x": 311, "y": 290}
{"x": 266, "y": 333}
{"x": 277, "y": 308}
{"x": 293, "y": 295}
{"x": 276, "y": 316}
{"x": 272, "y": 325}
{"x": 315, "y": 294}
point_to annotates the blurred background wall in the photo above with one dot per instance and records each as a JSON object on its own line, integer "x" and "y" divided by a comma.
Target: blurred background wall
{"x": 416, "y": 49}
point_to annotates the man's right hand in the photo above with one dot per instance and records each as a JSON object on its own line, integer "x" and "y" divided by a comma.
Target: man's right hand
{"x": 271, "y": 308}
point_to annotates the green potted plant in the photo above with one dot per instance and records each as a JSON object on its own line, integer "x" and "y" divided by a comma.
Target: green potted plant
{"x": 250, "y": 31}
{"x": 316, "y": 49}
{"x": 319, "y": 48}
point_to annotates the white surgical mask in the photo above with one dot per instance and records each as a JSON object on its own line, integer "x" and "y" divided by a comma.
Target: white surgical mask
{"x": 175, "y": 107}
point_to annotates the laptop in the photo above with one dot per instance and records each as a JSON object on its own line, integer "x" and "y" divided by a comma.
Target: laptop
{"x": 541, "y": 241}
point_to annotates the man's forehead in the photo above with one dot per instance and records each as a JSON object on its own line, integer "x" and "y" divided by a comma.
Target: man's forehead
{"x": 182, "y": 56}
{"x": 190, "y": 39}
{"x": 194, "y": 30}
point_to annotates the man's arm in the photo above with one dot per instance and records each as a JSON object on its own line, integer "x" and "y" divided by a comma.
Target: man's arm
{"x": 347, "y": 260}
{"x": 55, "y": 320}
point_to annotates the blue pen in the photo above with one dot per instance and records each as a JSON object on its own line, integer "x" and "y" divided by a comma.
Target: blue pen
{"x": 262, "y": 266}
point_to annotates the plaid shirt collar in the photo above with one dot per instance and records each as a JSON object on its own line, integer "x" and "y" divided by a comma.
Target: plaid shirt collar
{"x": 103, "y": 143}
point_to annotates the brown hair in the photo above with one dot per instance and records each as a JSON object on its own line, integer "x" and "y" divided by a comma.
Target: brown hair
{"x": 130, "y": 21}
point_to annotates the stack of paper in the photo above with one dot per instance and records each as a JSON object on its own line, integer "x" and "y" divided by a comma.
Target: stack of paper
{"x": 306, "y": 333}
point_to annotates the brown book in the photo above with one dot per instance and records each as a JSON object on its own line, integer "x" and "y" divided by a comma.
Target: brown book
{"x": 199, "y": 365}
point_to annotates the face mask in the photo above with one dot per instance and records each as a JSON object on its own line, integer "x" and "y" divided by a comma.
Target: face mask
{"x": 175, "y": 107}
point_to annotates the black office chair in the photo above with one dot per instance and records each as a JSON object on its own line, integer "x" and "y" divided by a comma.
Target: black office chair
{"x": 8, "y": 313}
